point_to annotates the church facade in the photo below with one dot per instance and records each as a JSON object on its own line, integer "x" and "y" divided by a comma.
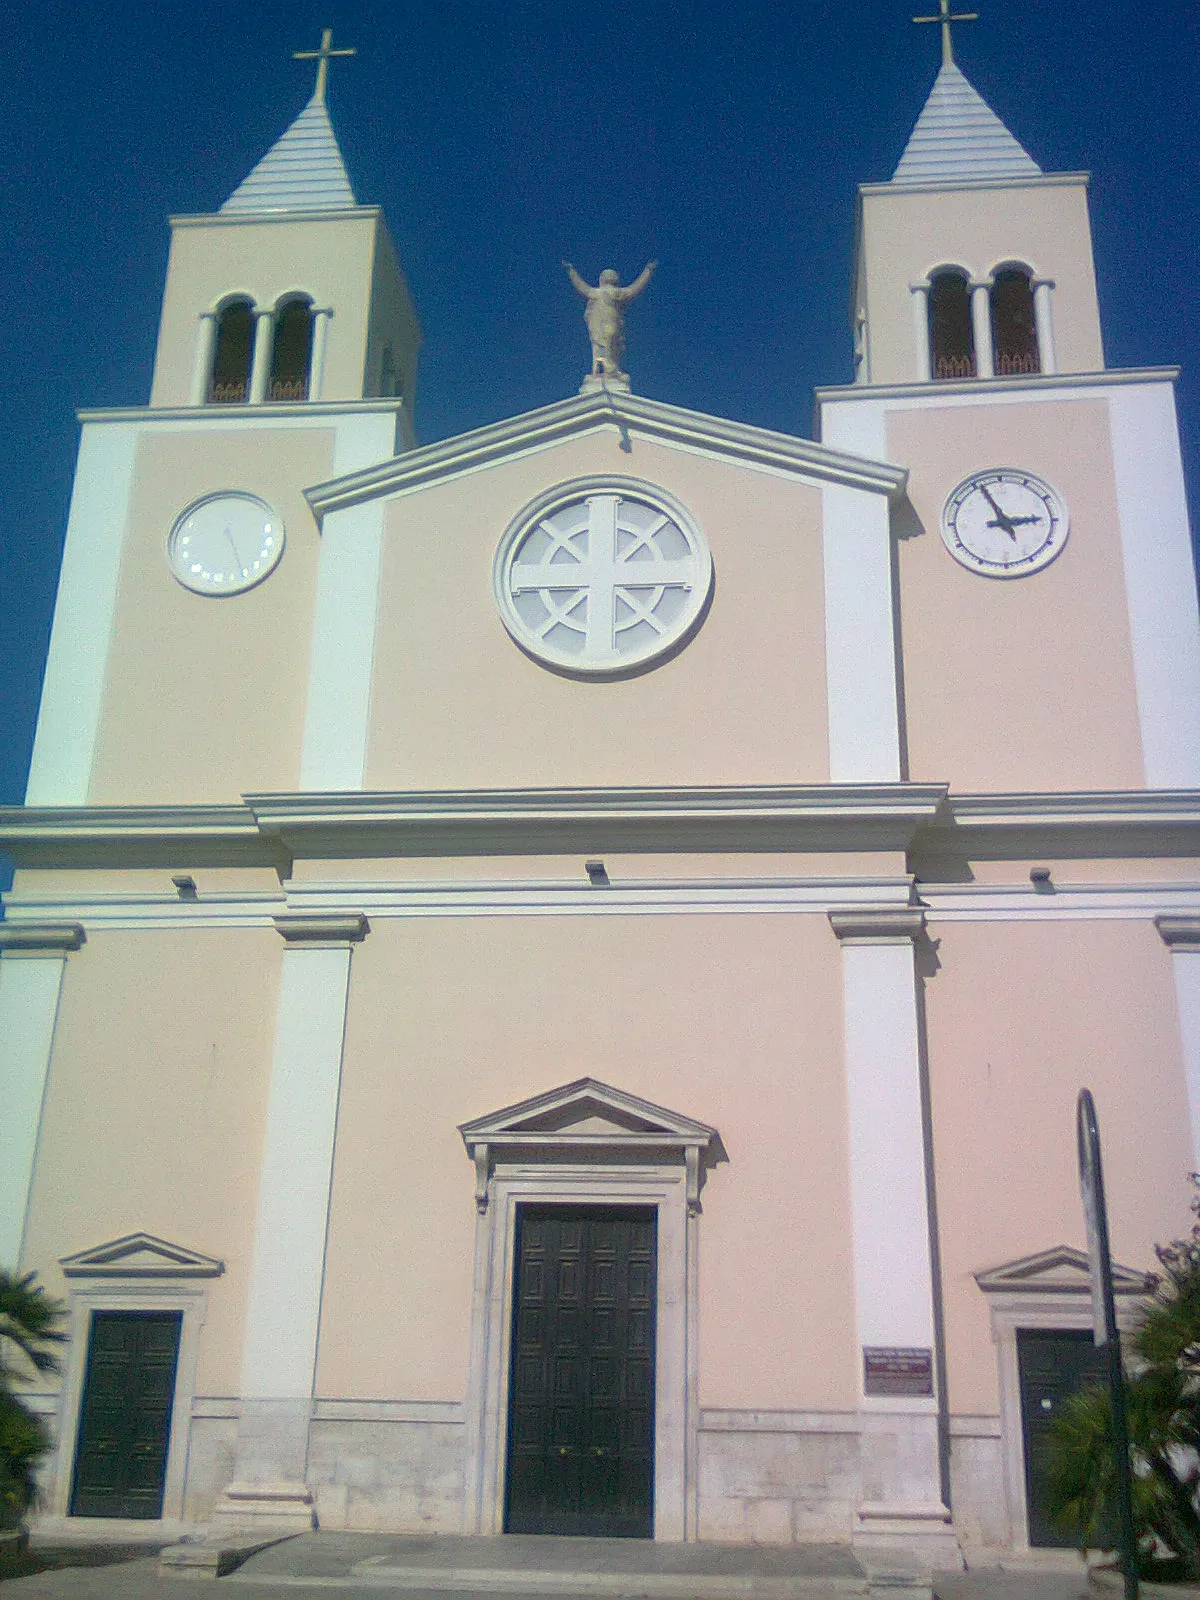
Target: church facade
{"x": 556, "y": 1004}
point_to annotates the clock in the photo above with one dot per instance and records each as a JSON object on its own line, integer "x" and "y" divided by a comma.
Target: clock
{"x": 1004, "y": 523}
{"x": 225, "y": 543}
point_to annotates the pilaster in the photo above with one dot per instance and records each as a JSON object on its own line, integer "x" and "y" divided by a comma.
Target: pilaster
{"x": 1181, "y": 935}
{"x": 283, "y": 1303}
{"x": 32, "y": 962}
{"x": 901, "y": 1503}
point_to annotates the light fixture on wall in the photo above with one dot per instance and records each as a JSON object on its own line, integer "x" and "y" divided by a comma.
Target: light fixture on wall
{"x": 597, "y": 874}
{"x": 185, "y": 885}
{"x": 1040, "y": 878}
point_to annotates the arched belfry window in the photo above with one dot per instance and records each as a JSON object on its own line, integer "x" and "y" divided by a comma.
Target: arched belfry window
{"x": 291, "y": 354}
{"x": 230, "y": 383}
{"x": 951, "y": 341}
{"x": 1014, "y": 328}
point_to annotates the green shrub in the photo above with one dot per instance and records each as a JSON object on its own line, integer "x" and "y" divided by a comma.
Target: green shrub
{"x": 1162, "y": 1389}
{"x": 29, "y": 1331}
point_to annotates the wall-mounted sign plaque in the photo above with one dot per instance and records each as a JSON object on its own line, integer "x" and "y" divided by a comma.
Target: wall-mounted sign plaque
{"x": 891, "y": 1371}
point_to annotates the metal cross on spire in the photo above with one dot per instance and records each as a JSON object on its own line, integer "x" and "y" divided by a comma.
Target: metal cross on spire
{"x": 322, "y": 58}
{"x": 946, "y": 17}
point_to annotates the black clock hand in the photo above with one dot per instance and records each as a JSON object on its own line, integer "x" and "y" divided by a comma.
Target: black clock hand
{"x": 1013, "y": 522}
{"x": 233, "y": 547}
{"x": 1004, "y": 521}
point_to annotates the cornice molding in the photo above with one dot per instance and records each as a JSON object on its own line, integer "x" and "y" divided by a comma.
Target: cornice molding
{"x": 980, "y": 388}
{"x": 1032, "y": 180}
{"x": 257, "y": 219}
{"x": 321, "y": 930}
{"x": 1181, "y": 934}
{"x": 564, "y": 419}
{"x": 272, "y": 830}
{"x": 136, "y": 836}
{"x": 1133, "y": 822}
{"x": 264, "y": 411}
{"x": 40, "y": 938}
{"x": 877, "y": 925}
{"x": 566, "y": 821}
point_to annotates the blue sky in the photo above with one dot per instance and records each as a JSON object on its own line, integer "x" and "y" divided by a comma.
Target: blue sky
{"x": 724, "y": 139}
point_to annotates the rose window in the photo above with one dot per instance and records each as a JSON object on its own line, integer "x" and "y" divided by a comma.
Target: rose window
{"x": 600, "y": 578}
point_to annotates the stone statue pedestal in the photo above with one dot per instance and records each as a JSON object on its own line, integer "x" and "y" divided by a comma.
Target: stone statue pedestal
{"x": 614, "y": 382}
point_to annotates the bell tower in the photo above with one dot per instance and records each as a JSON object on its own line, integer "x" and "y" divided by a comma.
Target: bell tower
{"x": 292, "y": 290}
{"x": 971, "y": 262}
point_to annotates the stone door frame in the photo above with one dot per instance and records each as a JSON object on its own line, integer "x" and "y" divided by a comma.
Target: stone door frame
{"x": 677, "y": 1412}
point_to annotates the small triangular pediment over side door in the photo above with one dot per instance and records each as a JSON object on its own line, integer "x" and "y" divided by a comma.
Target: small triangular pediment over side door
{"x": 1060, "y": 1270}
{"x": 140, "y": 1255}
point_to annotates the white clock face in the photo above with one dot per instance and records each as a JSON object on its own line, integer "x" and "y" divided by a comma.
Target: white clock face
{"x": 225, "y": 543}
{"x": 1004, "y": 523}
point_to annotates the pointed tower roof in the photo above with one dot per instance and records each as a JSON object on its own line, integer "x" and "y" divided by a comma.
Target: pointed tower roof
{"x": 302, "y": 171}
{"x": 958, "y": 137}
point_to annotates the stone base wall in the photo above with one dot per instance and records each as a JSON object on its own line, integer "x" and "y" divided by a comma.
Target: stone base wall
{"x": 776, "y": 1478}
{"x": 398, "y": 1476}
{"x": 982, "y": 1519}
{"x": 764, "y": 1477}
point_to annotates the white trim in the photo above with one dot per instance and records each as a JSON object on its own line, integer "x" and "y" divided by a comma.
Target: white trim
{"x": 892, "y": 1266}
{"x": 981, "y": 328}
{"x": 206, "y": 349}
{"x": 342, "y": 652}
{"x": 257, "y": 219}
{"x": 1160, "y": 583}
{"x": 189, "y": 1297}
{"x": 69, "y": 718}
{"x": 1185, "y": 967}
{"x": 951, "y": 902}
{"x": 29, "y": 994}
{"x": 860, "y": 648}
{"x": 580, "y": 415}
{"x": 283, "y": 1299}
{"x": 1032, "y": 180}
{"x": 320, "y": 343}
{"x": 1043, "y": 318}
{"x": 999, "y": 391}
{"x": 261, "y": 358}
{"x": 341, "y": 663}
{"x": 676, "y": 1413}
{"x": 920, "y": 316}
{"x": 281, "y": 414}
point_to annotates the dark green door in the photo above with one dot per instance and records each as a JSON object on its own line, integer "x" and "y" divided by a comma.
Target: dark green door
{"x": 1054, "y": 1364}
{"x": 581, "y": 1390}
{"x": 125, "y": 1419}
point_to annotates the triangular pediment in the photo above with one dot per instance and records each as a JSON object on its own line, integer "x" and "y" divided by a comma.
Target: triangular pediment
{"x": 634, "y": 417}
{"x": 587, "y": 1112}
{"x": 1061, "y": 1270}
{"x": 140, "y": 1255}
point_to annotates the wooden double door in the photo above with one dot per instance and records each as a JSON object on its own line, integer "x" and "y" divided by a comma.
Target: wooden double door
{"x": 580, "y": 1456}
{"x": 125, "y": 1417}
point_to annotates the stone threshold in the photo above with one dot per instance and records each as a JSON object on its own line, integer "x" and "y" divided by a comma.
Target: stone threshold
{"x": 528, "y": 1565}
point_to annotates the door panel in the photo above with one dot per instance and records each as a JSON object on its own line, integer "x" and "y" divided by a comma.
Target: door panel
{"x": 125, "y": 1417}
{"x": 581, "y": 1390}
{"x": 1054, "y": 1364}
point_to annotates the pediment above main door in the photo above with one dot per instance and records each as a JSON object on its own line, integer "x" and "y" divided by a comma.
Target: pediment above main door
{"x": 592, "y": 1122}
{"x": 468, "y": 673}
